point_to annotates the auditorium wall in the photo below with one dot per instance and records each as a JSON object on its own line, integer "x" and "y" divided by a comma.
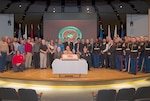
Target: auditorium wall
{"x": 137, "y": 24}
{"x": 57, "y": 25}
{"x": 6, "y": 25}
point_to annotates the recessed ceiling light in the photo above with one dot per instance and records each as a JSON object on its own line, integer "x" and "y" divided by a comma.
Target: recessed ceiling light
{"x": 20, "y": 5}
{"x": 120, "y": 6}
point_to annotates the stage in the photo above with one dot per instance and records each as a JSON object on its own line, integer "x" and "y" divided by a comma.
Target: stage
{"x": 94, "y": 77}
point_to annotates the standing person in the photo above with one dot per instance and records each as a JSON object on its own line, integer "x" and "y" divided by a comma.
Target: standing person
{"x": 78, "y": 48}
{"x": 88, "y": 45}
{"x": 18, "y": 62}
{"x": 21, "y": 47}
{"x": 43, "y": 54}
{"x": 85, "y": 54}
{"x": 16, "y": 44}
{"x": 134, "y": 56}
{"x": 119, "y": 54}
{"x": 141, "y": 54}
{"x": 3, "y": 53}
{"x": 104, "y": 55}
{"x": 126, "y": 52}
{"x": 96, "y": 54}
{"x": 111, "y": 54}
{"x": 51, "y": 49}
{"x": 82, "y": 44}
{"x": 28, "y": 54}
{"x": 61, "y": 45}
{"x": 36, "y": 53}
{"x": 10, "y": 54}
{"x": 147, "y": 56}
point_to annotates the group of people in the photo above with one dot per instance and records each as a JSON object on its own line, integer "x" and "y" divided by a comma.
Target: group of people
{"x": 130, "y": 54}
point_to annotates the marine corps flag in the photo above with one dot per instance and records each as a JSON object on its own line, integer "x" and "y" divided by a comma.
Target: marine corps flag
{"x": 101, "y": 32}
{"x": 122, "y": 32}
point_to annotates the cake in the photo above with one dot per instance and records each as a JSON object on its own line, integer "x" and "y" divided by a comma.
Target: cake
{"x": 69, "y": 57}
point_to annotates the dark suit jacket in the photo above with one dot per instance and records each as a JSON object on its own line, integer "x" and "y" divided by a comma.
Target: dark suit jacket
{"x": 80, "y": 47}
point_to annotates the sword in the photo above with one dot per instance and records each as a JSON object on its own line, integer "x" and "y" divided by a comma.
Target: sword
{"x": 129, "y": 64}
{"x": 142, "y": 66}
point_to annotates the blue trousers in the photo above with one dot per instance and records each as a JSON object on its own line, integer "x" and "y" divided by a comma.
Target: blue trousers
{"x": 118, "y": 60}
{"x": 140, "y": 62}
{"x": 133, "y": 65}
{"x": 3, "y": 61}
{"x": 147, "y": 64}
{"x": 126, "y": 62}
{"x": 96, "y": 60}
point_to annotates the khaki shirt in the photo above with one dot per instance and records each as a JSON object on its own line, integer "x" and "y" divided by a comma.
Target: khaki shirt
{"x": 3, "y": 47}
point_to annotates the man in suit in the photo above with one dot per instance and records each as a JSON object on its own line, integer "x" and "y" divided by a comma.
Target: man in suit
{"x": 111, "y": 54}
{"x": 78, "y": 48}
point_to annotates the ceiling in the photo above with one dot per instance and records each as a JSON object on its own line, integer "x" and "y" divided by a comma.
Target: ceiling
{"x": 109, "y": 11}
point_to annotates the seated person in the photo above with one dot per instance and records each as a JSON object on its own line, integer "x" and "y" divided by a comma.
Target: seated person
{"x": 85, "y": 54}
{"x": 18, "y": 62}
{"x": 67, "y": 51}
{"x": 58, "y": 53}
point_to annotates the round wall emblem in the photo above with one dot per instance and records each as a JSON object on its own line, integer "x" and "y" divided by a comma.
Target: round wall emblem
{"x": 70, "y": 32}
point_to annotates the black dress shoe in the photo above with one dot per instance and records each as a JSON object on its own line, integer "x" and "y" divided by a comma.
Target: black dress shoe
{"x": 1, "y": 71}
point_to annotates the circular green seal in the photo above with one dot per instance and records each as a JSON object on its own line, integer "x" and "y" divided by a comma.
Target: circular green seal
{"x": 70, "y": 32}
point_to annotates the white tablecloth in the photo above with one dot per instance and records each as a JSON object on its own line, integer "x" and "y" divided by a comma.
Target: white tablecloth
{"x": 69, "y": 66}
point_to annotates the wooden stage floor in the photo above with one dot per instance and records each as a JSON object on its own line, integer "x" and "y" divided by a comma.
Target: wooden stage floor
{"x": 100, "y": 74}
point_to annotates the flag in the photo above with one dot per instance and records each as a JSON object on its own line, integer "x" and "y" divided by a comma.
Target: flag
{"x": 101, "y": 32}
{"x": 115, "y": 31}
{"x": 25, "y": 32}
{"x": 109, "y": 31}
{"x": 38, "y": 31}
{"x": 122, "y": 32}
{"x": 19, "y": 32}
{"x": 31, "y": 33}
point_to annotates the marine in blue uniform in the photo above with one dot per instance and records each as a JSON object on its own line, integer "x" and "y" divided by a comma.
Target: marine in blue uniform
{"x": 141, "y": 52}
{"x": 96, "y": 54}
{"x": 134, "y": 56}
{"x": 126, "y": 52}
{"x": 147, "y": 56}
{"x": 119, "y": 54}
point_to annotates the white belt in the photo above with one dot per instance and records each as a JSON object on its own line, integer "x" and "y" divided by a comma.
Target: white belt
{"x": 96, "y": 48}
{"x": 127, "y": 49}
{"x": 118, "y": 48}
{"x": 147, "y": 48}
{"x": 134, "y": 50}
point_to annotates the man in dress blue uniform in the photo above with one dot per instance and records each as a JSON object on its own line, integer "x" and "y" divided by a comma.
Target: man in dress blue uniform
{"x": 147, "y": 55}
{"x": 141, "y": 52}
{"x": 134, "y": 56}
{"x": 119, "y": 54}
{"x": 96, "y": 54}
{"x": 126, "y": 52}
